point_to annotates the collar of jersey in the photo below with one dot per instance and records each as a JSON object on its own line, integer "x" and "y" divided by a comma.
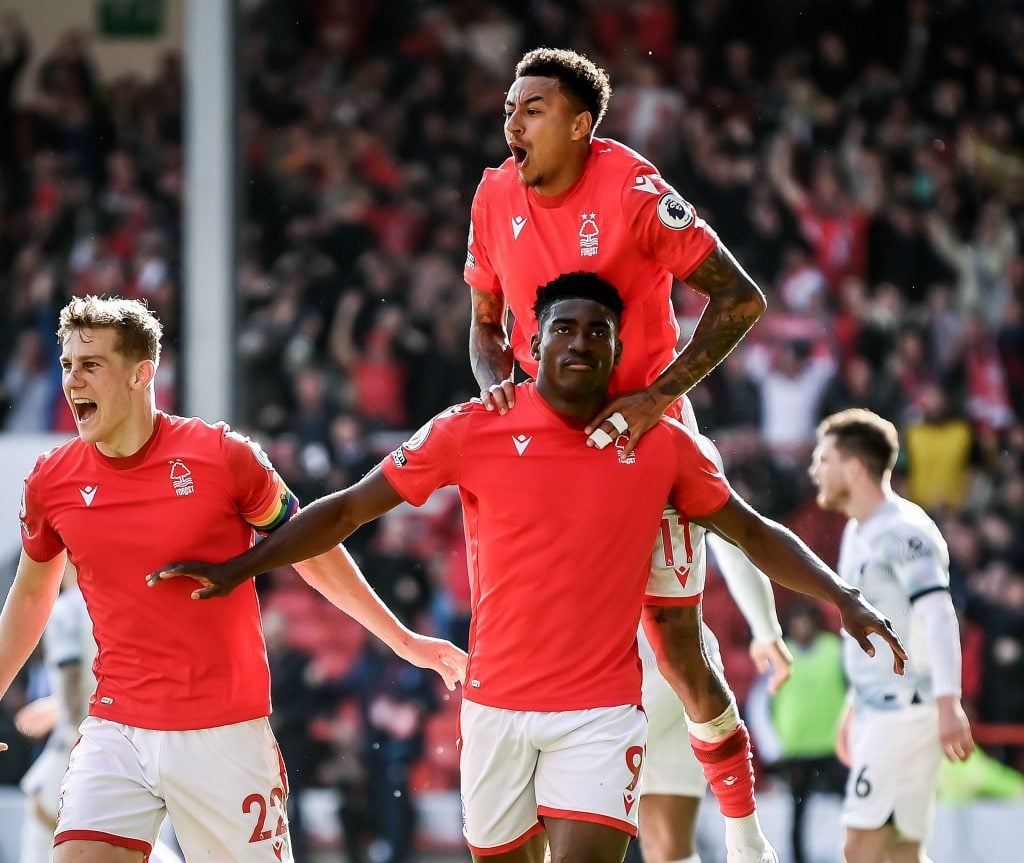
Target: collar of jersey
{"x": 571, "y": 422}
{"x": 136, "y": 458}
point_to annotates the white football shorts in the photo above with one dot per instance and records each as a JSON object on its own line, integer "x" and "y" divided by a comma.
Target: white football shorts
{"x": 671, "y": 766}
{"x": 896, "y": 758}
{"x": 519, "y": 767}
{"x": 224, "y": 789}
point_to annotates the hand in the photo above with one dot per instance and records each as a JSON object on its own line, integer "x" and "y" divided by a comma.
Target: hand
{"x": 640, "y": 410}
{"x": 843, "y": 736}
{"x": 500, "y": 397}
{"x": 861, "y": 619}
{"x": 215, "y": 579}
{"x": 775, "y": 657}
{"x": 954, "y": 729}
{"x": 37, "y": 718}
{"x": 438, "y": 655}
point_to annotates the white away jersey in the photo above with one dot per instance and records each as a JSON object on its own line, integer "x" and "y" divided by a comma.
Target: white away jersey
{"x": 895, "y": 556}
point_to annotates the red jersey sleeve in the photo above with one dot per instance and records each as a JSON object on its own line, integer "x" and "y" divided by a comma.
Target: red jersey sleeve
{"x": 40, "y": 541}
{"x": 700, "y": 488}
{"x": 665, "y": 226}
{"x": 261, "y": 496}
{"x": 430, "y": 459}
{"x": 478, "y": 272}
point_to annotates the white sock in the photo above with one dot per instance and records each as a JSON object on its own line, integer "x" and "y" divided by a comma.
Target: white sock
{"x": 744, "y": 832}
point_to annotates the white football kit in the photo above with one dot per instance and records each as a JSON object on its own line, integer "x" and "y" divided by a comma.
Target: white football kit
{"x": 895, "y": 557}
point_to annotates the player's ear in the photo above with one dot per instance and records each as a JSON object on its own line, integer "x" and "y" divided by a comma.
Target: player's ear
{"x": 583, "y": 126}
{"x": 618, "y": 351}
{"x": 535, "y": 346}
{"x": 145, "y": 371}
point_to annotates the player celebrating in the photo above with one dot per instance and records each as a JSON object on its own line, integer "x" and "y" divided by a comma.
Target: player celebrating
{"x": 551, "y": 737}
{"x": 901, "y": 726}
{"x": 178, "y": 722}
{"x": 565, "y": 201}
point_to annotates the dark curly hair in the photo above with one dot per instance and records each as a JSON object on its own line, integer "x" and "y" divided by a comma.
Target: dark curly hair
{"x": 579, "y": 285}
{"x": 579, "y": 75}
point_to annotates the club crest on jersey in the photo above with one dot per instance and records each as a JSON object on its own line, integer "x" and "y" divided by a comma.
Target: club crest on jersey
{"x": 620, "y": 448}
{"x": 674, "y": 213}
{"x": 589, "y": 232}
{"x": 181, "y": 478}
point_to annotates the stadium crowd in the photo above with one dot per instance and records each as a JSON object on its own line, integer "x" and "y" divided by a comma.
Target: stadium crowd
{"x": 864, "y": 159}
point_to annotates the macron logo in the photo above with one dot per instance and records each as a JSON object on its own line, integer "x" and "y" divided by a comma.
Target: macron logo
{"x": 645, "y": 183}
{"x": 522, "y": 442}
{"x": 518, "y": 223}
{"x": 88, "y": 493}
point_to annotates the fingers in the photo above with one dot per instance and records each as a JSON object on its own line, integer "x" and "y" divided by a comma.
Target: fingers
{"x": 781, "y": 675}
{"x": 499, "y": 397}
{"x": 154, "y": 578}
{"x": 3, "y": 747}
{"x": 608, "y": 430}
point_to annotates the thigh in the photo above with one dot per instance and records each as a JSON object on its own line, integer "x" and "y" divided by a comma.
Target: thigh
{"x": 532, "y": 850}
{"x": 677, "y": 561}
{"x": 226, "y": 793}
{"x": 498, "y": 765}
{"x": 78, "y": 851}
{"x": 574, "y": 841}
{"x": 590, "y": 767}
{"x": 109, "y": 796}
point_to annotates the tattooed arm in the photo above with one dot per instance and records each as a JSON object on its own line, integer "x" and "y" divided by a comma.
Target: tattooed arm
{"x": 734, "y": 304}
{"x": 489, "y": 351}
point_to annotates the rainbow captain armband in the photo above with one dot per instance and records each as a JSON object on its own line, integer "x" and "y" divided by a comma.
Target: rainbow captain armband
{"x": 281, "y": 508}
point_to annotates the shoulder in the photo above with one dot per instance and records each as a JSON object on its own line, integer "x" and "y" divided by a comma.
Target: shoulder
{"x": 55, "y": 461}
{"x": 616, "y": 158}
{"x": 495, "y": 180}
{"x": 909, "y": 534}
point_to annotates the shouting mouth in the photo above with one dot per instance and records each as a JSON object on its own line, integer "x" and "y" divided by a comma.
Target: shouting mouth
{"x": 85, "y": 409}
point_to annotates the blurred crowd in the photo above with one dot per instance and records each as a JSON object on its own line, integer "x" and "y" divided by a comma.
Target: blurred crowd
{"x": 864, "y": 160}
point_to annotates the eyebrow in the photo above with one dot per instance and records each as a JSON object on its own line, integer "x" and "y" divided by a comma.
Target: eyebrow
{"x": 537, "y": 98}
{"x": 82, "y": 358}
{"x": 594, "y": 322}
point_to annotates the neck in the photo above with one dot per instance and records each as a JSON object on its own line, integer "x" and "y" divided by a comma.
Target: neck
{"x": 581, "y": 406}
{"x": 131, "y": 436}
{"x": 867, "y": 499}
{"x": 565, "y": 179}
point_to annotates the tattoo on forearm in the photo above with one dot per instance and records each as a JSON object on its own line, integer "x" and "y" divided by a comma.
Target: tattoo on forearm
{"x": 489, "y": 351}
{"x": 734, "y": 305}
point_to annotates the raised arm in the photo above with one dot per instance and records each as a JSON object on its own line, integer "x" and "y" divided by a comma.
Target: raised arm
{"x": 490, "y": 354}
{"x": 25, "y": 613}
{"x": 786, "y": 560}
{"x": 735, "y": 303}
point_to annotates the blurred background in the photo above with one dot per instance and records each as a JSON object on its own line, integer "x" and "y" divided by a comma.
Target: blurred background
{"x": 287, "y": 183}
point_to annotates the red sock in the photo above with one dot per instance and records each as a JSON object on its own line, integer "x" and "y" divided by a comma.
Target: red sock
{"x": 728, "y": 770}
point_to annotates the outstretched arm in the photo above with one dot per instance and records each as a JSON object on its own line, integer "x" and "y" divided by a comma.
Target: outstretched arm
{"x": 310, "y": 541}
{"x": 735, "y": 303}
{"x": 25, "y": 613}
{"x": 786, "y": 560}
{"x": 489, "y": 351}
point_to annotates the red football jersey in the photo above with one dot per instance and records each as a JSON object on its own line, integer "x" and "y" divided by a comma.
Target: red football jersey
{"x": 559, "y": 536}
{"x": 620, "y": 220}
{"x": 193, "y": 492}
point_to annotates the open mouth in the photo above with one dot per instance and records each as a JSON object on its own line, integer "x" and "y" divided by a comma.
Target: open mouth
{"x": 518, "y": 153}
{"x": 85, "y": 409}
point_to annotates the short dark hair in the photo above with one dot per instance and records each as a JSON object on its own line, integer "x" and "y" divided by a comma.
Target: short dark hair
{"x": 864, "y": 435}
{"x": 579, "y": 285}
{"x": 583, "y": 78}
{"x": 138, "y": 330}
